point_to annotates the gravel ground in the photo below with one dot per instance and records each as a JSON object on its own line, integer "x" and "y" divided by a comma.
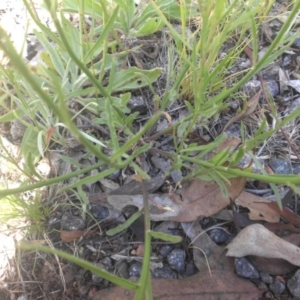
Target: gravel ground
{"x": 42, "y": 277}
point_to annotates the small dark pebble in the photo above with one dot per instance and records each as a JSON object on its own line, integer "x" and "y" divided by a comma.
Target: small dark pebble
{"x": 252, "y": 87}
{"x": 297, "y": 43}
{"x": 100, "y": 212}
{"x": 122, "y": 269}
{"x": 277, "y": 287}
{"x": 273, "y": 87}
{"x": 71, "y": 222}
{"x": 135, "y": 269}
{"x": 218, "y": 235}
{"x": 280, "y": 166}
{"x": 104, "y": 264}
{"x": 174, "y": 231}
{"x": 165, "y": 250}
{"x": 294, "y": 284}
{"x": 244, "y": 268}
{"x": 190, "y": 269}
{"x": 137, "y": 104}
{"x": 287, "y": 60}
{"x": 266, "y": 278}
{"x": 176, "y": 175}
{"x": 164, "y": 272}
{"x": 298, "y": 60}
{"x": 296, "y": 169}
{"x": 113, "y": 176}
{"x": 176, "y": 260}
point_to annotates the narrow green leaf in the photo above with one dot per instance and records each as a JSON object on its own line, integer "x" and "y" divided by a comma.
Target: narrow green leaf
{"x": 125, "y": 225}
{"x": 166, "y": 237}
{"x": 97, "y": 48}
{"x": 29, "y": 144}
{"x": 150, "y": 26}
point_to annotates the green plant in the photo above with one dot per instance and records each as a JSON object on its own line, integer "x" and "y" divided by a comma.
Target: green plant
{"x": 85, "y": 65}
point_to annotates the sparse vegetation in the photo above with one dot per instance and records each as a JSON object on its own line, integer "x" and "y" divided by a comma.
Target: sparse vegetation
{"x": 92, "y": 66}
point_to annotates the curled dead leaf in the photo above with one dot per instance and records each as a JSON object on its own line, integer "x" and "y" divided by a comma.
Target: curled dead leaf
{"x": 285, "y": 213}
{"x": 200, "y": 198}
{"x": 257, "y": 240}
{"x": 275, "y": 266}
{"x": 70, "y": 236}
{"x": 201, "y": 244}
{"x": 258, "y": 208}
{"x": 202, "y": 286}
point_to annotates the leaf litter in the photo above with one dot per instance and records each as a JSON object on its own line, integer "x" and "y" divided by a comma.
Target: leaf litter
{"x": 257, "y": 240}
{"x": 200, "y": 198}
{"x": 204, "y": 285}
{"x": 191, "y": 204}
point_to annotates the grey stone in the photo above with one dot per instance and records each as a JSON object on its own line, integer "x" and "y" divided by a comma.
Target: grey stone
{"x": 70, "y": 222}
{"x": 277, "y": 287}
{"x": 100, "y": 212}
{"x": 252, "y": 87}
{"x": 298, "y": 60}
{"x": 176, "y": 260}
{"x": 190, "y": 269}
{"x": 165, "y": 250}
{"x": 293, "y": 284}
{"x": 164, "y": 272}
{"x": 135, "y": 269}
{"x": 167, "y": 227}
{"x": 280, "y": 166}
{"x": 137, "y": 104}
{"x": 176, "y": 175}
{"x": 245, "y": 269}
{"x": 287, "y": 60}
{"x": 122, "y": 269}
{"x": 218, "y": 235}
{"x": 103, "y": 264}
{"x": 273, "y": 87}
{"x": 266, "y": 278}
{"x": 296, "y": 169}
{"x": 295, "y": 104}
{"x": 297, "y": 43}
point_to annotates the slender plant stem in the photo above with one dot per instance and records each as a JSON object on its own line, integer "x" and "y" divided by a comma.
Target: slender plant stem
{"x": 145, "y": 275}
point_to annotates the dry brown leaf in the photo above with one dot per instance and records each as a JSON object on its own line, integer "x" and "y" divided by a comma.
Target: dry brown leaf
{"x": 139, "y": 251}
{"x": 242, "y": 220}
{"x": 275, "y": 266}
{"x": 257, "y": 207}
{"x": 257, "y": 240}
{"x": 285, "y": 213}
{"x": 200, "y": 198}
{"x": 70, "y": 236}
{"x": 202, "y": 243}
{"x": 202, "y": 286}
{"x": 281, "y": 226}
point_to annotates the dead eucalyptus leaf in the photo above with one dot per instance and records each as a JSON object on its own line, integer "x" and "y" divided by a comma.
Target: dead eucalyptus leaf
{"x": 200, "y": 198}
{"x": 202, "y": 286}
{"x": 257, "y": 207}
{"x": 257, "y": 240}
{"x": 285, "y": 213}
{"x": 202, "y": 243}
{"x": 275, "y": 266}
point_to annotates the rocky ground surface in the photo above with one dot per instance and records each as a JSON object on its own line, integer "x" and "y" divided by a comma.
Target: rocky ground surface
{"x": 41, "y": 276}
